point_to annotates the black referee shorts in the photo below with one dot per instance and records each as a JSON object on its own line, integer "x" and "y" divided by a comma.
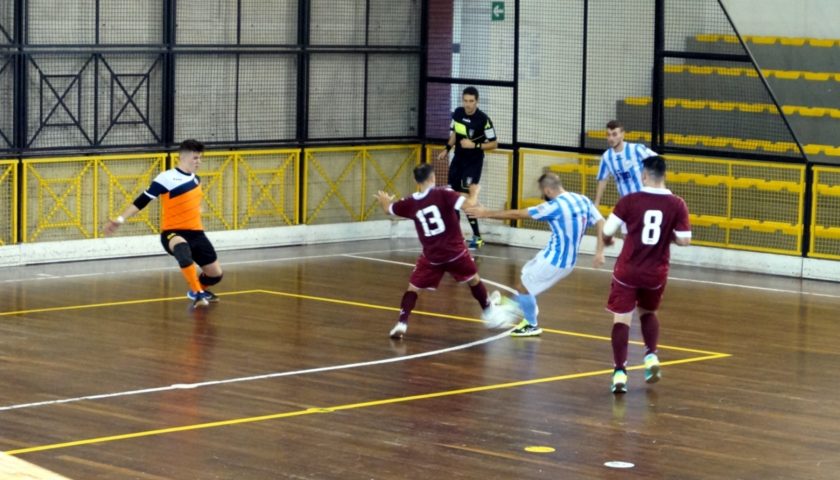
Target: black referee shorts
{"x": 462, "y": 174}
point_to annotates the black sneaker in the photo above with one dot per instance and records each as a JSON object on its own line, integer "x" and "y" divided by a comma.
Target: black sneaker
{"x": 211, "y": 297}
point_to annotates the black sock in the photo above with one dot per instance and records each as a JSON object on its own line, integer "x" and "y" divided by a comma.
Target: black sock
{"x": 474, "y": 226}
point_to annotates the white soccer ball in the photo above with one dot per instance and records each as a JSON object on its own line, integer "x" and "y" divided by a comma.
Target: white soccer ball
{"x": 502, "y": 313}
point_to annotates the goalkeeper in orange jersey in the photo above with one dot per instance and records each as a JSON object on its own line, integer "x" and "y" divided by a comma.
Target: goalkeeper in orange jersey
{"x": 182, "y": 233}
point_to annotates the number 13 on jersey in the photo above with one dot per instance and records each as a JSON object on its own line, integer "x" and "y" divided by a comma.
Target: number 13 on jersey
{"x": 433, "y": 224}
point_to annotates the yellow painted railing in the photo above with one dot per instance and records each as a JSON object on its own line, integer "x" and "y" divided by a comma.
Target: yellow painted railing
{"x": 9, "y": 202}
{"x": 825, "y": 214}
{"x": 69, "y": 198}
{"x": 733, "y": 204}
{"x": 340, "y": 182}
{"x": 249, "y": 188}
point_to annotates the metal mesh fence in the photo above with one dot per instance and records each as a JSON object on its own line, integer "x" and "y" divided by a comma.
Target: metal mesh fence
{"x": 392, "y": 95}
{"x": 619, "y": 63}
{"x": 341, "y": 181}
{"x": 230, "y": 98}
{"x": 825, "y": 221}
{"x": 60, "y": 104}
{"x": 7, "y": 85}
{"x": 7, "y": 23}
{"x": 124, "y": 74}
{"x": 551, "y": 72}
{"x": 8, "y": 202}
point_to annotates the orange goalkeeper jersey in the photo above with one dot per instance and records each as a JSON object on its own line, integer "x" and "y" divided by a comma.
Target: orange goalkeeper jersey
{"x": 180, "y": 194}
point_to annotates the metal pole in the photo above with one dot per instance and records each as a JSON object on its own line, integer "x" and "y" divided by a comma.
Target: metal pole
{"x": 657, "y": 89}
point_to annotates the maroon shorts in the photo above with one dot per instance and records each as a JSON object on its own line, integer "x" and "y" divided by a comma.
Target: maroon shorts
{"x": 427, "y": 275}
{"x": 624, "y": 298}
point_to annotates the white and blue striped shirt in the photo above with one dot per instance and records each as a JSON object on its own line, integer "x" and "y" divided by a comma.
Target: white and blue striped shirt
{"x": 625, "y": 167}
{"x": 568, "y": 215}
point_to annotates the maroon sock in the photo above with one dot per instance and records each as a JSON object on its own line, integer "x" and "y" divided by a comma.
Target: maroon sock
{"x": 407, "y": 304}
{"x": 620, "y": 337}
{"x": 480, "y": 293}
{"x": 650, "y": 331}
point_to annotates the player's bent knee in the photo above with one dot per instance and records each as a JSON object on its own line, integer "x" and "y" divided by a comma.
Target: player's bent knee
{"x": 208, "y": 280}
{"x": 182, "y": 254}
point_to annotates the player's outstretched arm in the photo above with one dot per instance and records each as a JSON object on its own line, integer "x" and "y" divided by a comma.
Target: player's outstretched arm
{"x": 481, "y": 212}
{"x": 385, "y": 200}
{"x": 113, "y": 224}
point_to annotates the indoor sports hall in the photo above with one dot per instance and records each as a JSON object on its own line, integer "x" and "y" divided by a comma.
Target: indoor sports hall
{"x": 307, "y": 109}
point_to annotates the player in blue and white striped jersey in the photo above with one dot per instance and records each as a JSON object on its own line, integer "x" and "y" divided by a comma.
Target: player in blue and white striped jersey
{"x": 622, "y": 161}
{"x": 568, "y": 214}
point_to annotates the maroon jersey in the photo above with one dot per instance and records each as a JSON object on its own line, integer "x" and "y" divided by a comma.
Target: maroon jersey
{"x": 436, "y": 219}
{"x": 653, "y": 217}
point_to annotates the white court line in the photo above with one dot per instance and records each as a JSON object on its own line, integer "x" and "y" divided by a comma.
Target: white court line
{"x": 186, "y": 386}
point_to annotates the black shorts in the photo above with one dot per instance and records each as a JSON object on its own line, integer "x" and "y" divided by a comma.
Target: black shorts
{"x": 203, "y": 252}
{"x": 462, "y": 174}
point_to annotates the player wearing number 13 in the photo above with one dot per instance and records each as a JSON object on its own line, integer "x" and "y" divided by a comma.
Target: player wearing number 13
{"x": 654, "y": 217}
{"x": 435, "y": 214}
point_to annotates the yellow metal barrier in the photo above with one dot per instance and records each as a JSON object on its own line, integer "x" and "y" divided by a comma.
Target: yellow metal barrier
{"x": 340, "y": 182}
{"x": 9, "y": 199}
{"x": 733, "y": 204}
{"x": 249, "y": 188}
{"x": 825, "y": 214}
{"x": 64, "y": 198}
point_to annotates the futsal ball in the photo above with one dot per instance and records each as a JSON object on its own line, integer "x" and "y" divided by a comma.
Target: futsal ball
{"x": 502, "y": 313}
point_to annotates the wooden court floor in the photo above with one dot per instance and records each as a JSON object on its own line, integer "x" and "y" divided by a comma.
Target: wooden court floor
{"x": 107, "y": 373}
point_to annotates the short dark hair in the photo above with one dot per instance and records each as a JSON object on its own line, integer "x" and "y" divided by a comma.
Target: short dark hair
{"x": 191, "y": 145}
{"x": 550, "y": 179}
{"x": 423, "y": 171}
{"x": 613, "y": 124}
{"x": 470, "y": 91}
{"x": 655, "y": 166}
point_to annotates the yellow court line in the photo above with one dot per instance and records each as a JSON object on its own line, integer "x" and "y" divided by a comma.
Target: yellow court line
{"x": 467, "y": 319}
{"x": 109, "y": 304}
{"x": 632, "y": 342}
{"x": 336, "y": 301}
{"x": 337, "y": 408}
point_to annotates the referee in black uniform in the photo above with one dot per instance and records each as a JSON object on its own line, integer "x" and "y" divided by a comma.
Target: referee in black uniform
{"x": 471, "y": 133}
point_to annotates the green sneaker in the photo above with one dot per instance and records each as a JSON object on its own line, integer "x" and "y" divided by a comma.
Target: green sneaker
{"x": 652, "y": 370}
{"x": 619, "y": 382}
{"x": 525, "y": 329}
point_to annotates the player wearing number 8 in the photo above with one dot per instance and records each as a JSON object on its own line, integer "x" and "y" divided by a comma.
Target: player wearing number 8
{"x": 654, "y": 217}
{"x": 434, "y": 211}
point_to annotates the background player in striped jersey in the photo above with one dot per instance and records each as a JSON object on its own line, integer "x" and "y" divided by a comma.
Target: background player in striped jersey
{"x": 568, "y": 214}
{"x": 435, "y": 214}
{"x": 622, "y": 161}
{"x": 471, "y": 134}
{"x": 654, "y": 218}
{"x": 182, "y": 233}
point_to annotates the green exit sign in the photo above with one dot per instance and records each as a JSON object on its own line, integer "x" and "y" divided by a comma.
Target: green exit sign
{"x": 497, "y": 12}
